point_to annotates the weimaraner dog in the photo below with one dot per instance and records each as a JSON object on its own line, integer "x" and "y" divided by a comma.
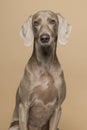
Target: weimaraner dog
{"x": 42, "y": 88}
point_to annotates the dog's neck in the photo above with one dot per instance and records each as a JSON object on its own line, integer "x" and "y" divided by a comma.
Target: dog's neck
{"x": 45, "y": 54}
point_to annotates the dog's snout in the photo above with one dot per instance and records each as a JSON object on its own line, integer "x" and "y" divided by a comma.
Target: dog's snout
{"x": 44, "y": 38}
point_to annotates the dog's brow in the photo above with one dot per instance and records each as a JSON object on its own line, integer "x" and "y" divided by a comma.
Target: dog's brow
{"x": 51, "y": 18}
{"x": 37, "y": 19}
{"x": 35, "y": 16}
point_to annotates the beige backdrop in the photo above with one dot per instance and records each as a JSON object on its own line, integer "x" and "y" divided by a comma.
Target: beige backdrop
{"x": 73, "y": 57}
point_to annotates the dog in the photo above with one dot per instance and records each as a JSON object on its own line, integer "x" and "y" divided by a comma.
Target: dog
{"x": 42, "y": 88}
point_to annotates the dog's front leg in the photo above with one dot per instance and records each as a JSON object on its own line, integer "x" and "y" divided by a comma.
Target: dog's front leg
{"x": 54, "y": 121}
{"x": 23, "y": 116}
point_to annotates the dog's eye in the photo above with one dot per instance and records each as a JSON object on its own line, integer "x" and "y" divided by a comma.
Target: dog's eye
{"x": 36, "y": 23}
{"x": 52, "y": 21}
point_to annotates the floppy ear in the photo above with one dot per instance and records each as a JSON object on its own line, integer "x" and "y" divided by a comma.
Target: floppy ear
{"x": 64, "y": 30}
{"x": 26, "y": 32}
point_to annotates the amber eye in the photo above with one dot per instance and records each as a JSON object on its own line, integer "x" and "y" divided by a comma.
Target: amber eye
{"x": 52, "y": 21}
{"x": 36, "y": 23}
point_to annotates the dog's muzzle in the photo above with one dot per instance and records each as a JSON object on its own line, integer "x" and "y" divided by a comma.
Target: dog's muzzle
{"x": 44, "y": 38}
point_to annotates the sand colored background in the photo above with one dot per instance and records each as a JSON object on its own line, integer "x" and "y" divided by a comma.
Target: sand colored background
{"x": 73, "y": 57}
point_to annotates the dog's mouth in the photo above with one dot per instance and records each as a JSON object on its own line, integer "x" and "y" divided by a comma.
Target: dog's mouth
{"x": 46, "y": 50}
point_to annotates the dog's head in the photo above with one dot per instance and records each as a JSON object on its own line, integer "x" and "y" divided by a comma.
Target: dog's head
{"x": 45, "y": 27}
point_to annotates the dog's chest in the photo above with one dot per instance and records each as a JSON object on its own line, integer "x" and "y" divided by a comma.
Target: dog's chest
{"x": 45, "y": 100}
{"x": 45, "y": 89}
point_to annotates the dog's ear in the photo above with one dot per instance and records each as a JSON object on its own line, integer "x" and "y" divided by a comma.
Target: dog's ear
{"x": 26, "y": 32}
{"x": 64, "y": 30}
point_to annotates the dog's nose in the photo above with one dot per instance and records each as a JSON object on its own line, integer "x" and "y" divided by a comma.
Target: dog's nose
{"x": 44, "y": 38}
